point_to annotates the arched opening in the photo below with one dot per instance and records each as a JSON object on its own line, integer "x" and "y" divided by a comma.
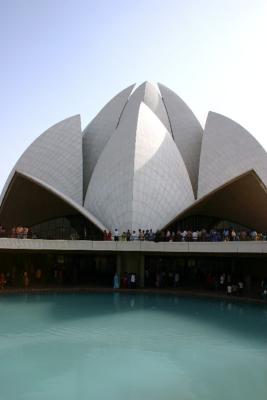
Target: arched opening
{"x": 29, "y": 204}
{"x": 242, "y": 203}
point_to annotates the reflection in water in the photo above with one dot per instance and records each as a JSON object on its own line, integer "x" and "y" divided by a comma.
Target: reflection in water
{"x": 132, "y": 302}
{"x": 116, "y": 299}
{"x": 119, "y": 346}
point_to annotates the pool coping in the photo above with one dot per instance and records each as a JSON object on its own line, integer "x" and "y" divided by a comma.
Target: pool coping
{"x": 88, "y": 289}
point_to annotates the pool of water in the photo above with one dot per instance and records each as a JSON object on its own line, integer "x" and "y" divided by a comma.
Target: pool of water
{"x": 131, "y": 346}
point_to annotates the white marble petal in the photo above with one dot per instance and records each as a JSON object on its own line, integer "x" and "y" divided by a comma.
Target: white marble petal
{"x": 228, "y": 150}
{"x": 55, "y": 158}
{"x": 100, "y": 129}
{"x": 149, "y": 94}
{"x": 187, "y": 131}
{"x": 140, "y": 180}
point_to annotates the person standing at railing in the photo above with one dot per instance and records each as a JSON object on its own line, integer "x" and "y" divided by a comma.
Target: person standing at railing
{"x": 128, "y": 235}
{"x": 19, "y": 232}
{"x": 2, "y": 231}
{"x": 123, "y": 237}
{"x": 25, "y": 232}
{"x": 194, "y": 236}
{"x": 134, "y": 236}
{"x": 116, "y": 234}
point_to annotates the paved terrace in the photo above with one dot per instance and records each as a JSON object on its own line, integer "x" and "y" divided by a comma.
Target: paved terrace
{"x": 41, "y": 245}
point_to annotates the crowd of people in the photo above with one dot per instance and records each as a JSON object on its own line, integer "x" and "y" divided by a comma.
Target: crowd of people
{"x": 186, "y": 235}
{"x": 225, "y": 283}
{"x": 7, "y": 280}
{"x": 128, "y": 280}
{"x": 30, "y": 277}
{"x": 17, "y": 232}
{"x": 183, "y": 235}
{"x": 228, "y": 284}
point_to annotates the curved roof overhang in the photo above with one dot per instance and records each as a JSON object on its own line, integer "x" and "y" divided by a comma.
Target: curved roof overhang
{"x": 28, "y": 201}
{"x": 242, "y": 200}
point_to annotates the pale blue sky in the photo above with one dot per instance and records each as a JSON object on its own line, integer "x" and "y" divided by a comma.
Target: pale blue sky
{"x": 66, "y": 57}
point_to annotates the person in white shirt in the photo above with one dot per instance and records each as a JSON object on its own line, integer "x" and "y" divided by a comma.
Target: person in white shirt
{"x": 184, "y": 234}
{"x": 194, "y": 236}
{"x": 116, "y": 234}
{"x": 133, "y": 281}
{"x": 134, "y": 236}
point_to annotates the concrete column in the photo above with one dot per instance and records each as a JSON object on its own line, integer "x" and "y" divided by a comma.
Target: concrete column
{"x": 133, "y": 263}
{"x": 118, "y": 264}
{"x": 142, "y": 271}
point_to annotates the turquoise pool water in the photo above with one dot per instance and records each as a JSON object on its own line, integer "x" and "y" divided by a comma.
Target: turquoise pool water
{"x": 131, "y": 346}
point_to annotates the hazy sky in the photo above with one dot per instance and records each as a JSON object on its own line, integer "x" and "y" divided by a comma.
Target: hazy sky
{"x": 66, "y": 57}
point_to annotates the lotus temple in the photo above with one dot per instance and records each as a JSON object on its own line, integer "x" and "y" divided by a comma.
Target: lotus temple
{"x": 144, "y": 163}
